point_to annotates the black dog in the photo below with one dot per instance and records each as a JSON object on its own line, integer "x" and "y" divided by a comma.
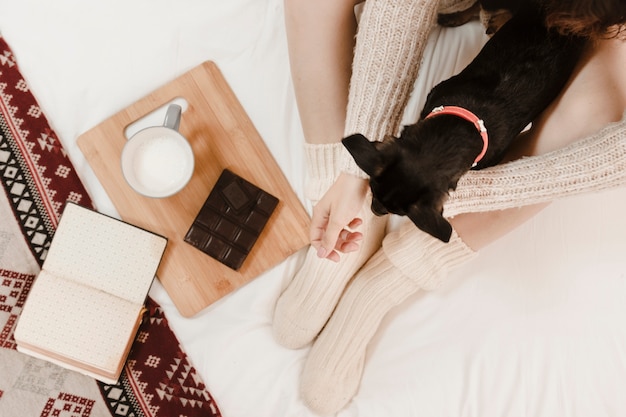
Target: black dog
{"x": 468, "y": 121}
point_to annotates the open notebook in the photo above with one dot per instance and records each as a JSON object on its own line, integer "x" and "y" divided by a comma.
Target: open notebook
{"x": 87, "y": 302}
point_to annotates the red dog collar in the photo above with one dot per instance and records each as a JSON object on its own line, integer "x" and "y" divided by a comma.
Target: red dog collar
{"x": 469, "y": 116}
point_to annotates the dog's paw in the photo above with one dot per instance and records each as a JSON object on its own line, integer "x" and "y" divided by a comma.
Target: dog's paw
{"x": 459, "y": 18}
{"x": 493, "y": 20}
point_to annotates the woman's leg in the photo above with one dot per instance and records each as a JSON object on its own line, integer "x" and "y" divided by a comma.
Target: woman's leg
{"x": 321, "y": 40}
{"x": 387, "y": 54}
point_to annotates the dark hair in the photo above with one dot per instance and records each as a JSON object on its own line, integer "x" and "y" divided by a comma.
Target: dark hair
{"x": 594, "y": 19}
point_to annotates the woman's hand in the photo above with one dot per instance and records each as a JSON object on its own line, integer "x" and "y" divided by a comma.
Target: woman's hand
{"x": 335, "y": 217}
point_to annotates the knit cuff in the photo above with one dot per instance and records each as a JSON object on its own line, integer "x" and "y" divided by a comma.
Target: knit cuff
{"x": 350, "y": 167}
{"x": 323, "y": 164}
{"x": 423, "y": 258}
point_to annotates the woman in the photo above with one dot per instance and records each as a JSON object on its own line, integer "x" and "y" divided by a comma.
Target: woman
{"x": 580, "y": 143}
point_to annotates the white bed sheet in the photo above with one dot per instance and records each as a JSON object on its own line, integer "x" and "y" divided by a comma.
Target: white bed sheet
{"x": 532, "y": 327}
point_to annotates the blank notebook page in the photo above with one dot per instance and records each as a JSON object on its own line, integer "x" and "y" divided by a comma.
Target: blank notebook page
{"x": 94, "y": 329}
{"x": 104, "y": 253}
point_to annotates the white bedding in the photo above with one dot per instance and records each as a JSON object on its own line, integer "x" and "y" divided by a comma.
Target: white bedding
{"x": 532, "y": 327}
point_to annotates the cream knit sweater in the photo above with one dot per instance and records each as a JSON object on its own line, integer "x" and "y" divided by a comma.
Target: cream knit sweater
{"x": 390, "y": 44}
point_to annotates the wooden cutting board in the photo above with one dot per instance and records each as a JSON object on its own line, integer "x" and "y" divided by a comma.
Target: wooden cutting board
{"x": 222, "y": 136}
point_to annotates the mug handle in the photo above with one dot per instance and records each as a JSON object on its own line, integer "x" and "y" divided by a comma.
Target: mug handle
{"x": 172, "y": 117}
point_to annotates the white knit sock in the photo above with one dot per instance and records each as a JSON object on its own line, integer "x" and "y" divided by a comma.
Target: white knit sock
{"x": 410, "y": 260}
{"x": 307, "y": 303}
{"x": 592, "y": 164}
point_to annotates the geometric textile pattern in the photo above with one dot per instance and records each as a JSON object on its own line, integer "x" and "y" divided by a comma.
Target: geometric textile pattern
{"x": 36, "y": 172}
{"x": 18, "y": 185}
{"x": 179, "y": 390}
{"x": 14, "y": 288}
{"x": 37, "y": 178}
{"x": 68, "y": 405}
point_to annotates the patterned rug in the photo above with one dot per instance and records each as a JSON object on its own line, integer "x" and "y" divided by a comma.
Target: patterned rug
{"x": 37, "y": 179}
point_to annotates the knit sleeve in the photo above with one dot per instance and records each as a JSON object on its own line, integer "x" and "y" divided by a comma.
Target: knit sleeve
{"x": 595, "y": 163}
{"x": 390, "y": 43}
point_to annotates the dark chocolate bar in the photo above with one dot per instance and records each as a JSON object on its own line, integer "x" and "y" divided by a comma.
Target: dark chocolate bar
{"x": 231, "y": 219}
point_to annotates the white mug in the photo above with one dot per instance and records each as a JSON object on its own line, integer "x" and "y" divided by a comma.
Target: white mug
{"x": 158, "y": 161}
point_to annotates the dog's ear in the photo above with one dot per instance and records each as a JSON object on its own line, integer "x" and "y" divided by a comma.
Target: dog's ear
{"x": 428, "y": 219}
{"x": 365, "y": 153}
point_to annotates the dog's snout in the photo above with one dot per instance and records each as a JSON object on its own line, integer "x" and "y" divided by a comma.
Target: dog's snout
{"x": 378, "y": 209}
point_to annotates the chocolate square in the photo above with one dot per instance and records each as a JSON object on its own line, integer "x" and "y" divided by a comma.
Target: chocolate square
{"x": 231, "y": 219}
{"x": 236, "y": 196}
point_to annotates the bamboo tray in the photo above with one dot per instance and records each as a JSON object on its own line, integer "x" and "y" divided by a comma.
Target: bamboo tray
{"x": 222, "y": 136}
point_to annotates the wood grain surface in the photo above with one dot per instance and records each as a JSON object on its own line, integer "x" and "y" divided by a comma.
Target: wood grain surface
{"x": 222, "y": 136}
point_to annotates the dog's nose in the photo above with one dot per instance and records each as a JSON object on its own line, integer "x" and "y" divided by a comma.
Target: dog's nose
{"x": 378, "y": 209}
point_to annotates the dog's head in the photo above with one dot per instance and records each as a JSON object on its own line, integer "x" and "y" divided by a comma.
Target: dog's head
{"x": 403, "y": 182}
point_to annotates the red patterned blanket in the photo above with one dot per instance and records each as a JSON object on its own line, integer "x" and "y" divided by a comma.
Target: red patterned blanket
{"x": 37, "y": 179}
